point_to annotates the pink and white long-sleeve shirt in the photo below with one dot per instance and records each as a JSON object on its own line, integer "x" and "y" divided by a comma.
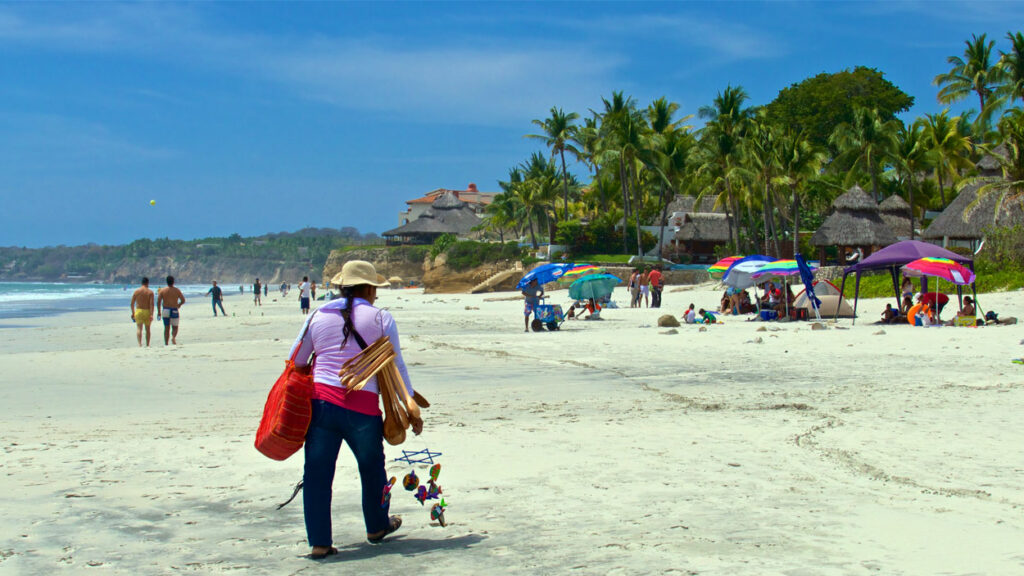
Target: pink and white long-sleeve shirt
{"x": 324, "y": 336}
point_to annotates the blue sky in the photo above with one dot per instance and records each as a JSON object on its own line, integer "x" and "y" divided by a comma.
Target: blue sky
{"x": 268, "y": 117}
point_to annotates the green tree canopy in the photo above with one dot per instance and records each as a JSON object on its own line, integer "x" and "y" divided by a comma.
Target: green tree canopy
{"x": 817, "y": 105}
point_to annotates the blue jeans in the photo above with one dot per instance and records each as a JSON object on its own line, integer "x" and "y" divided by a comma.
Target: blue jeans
{"x": 331, "y": 424}
{"x": 221, "y": 304}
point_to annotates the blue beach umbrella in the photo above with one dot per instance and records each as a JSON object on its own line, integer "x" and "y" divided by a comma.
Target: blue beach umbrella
{"x": 544, "y": 274}
{"x": 593, "y": 286}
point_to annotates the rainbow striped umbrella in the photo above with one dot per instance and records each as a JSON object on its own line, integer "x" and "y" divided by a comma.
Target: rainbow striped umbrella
{"x": 580, "y": 270}
{"x": 722, "y": 265}
{"x": 780, "y": 268}
{"x": 942, "y": 268}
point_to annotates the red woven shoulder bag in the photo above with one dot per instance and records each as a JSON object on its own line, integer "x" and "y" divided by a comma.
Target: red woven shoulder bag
{"x": 288, "y": 410}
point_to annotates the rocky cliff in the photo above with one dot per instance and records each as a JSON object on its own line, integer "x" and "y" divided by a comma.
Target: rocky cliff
{"x": 225, "y": 271}
{"x": 405, "y": 262}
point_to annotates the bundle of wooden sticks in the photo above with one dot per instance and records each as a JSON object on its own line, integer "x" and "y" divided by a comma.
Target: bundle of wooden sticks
{"x": 400, "y": 409}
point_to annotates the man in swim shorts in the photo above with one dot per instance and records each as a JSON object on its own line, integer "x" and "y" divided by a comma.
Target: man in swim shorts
{"x": 304, "y": 294}
{"x": 142, "y": 310}
{"x": 171, "y": 299}
{"x": 532, "y": 293}
{"x": 256, "y": 289}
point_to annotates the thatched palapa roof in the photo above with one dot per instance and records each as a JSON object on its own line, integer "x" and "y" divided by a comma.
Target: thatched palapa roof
{"x": 447, "y": 215}
{"x": 989, "y": 165}
{"x": 895, "y": 213}
{"x": 704, "y": 227}
{"x": 855, "y": 221}
{"x": 689, "y": 204}
{"x": 952, "y": 223}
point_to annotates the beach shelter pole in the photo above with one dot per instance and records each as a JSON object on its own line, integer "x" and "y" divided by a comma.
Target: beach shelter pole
{"x": 785, "y": 295}
{"x": 842, "y": 294}
{"x": 896, "y": 287}
{"x": 855, "y": 300}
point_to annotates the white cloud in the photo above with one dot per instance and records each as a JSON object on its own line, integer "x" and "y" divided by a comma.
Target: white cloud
{"x": 728, "y": 41}
{"x": 456, "y": 80}
{"x": 490, "y": 85}
{"x": 65, "y": 142}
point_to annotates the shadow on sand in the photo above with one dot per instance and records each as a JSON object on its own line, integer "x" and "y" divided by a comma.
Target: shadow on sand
{"x": 403, "y": 546}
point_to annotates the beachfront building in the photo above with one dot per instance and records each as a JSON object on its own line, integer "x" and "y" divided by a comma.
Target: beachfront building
{"x": 445, "y": 215}
{"x": 953, "y": 227}
{"x": 476, "y": 200}
{"x": 855, "y": 225}
{"x": 700, "y": 233}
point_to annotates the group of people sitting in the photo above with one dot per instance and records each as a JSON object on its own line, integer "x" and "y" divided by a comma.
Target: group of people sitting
{"x": 924, "y": 309}
{"x": 735, "y": 301}
{"x": 701, "y": 316}
{"x": 591, "y": 306}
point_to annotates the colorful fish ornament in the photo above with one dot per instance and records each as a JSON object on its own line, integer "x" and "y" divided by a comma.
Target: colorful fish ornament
{"x": 437, "y": 512}
{"x": 385, "y": 499}
{"x": 433, "y": 490}
{"x": 411, "y": 481}
{"x": 421, "y": 494}
{"x": 435, "y": 471}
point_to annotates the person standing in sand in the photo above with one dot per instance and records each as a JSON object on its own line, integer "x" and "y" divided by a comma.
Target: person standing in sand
{"x": 656, "y": 286}
{"x": 142, "y": 310}
{"x": 336, "y": 333}
{"x": 257, "y": 288}
{"x": 304, "y": 294}
{"x": 532, "y": 293}
{"x": 168, "y": 300}
{"x": 218, "y": 298}
{"x": 645, "y": 288}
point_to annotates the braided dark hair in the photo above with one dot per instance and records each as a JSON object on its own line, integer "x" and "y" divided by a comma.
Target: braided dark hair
{"x": 348, "y": 293}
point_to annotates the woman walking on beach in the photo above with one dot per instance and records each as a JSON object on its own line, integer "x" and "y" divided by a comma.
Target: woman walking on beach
{"x": 337, "y": 332}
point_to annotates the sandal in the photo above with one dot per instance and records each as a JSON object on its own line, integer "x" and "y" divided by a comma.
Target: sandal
{"x": 395, "y": 522}
{"x": 331, "y": 551}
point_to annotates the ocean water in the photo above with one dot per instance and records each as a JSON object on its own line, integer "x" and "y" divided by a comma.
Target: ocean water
{"x": 35, "y": 299}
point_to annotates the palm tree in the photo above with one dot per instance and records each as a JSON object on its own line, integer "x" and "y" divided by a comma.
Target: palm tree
{"x": 799, "y": 161}
{"x": 975, "y": 72}
{"x": 540, "y": 181}
{"x": 558, "y": 135}
{"x": 948, "y": 147}
{"x": 671, "y": 158}
{"x": 1009, "y": 187}
{"x": 760, "y": 152}
{"x": 503, "y": 214}
{"x": 1012, "y": 65}
{"x": 727, "y": 120}
{"x": 864, "y": 143}
{"x": 620, "y": 141}
{"x": 910, "y": 158}
{"x": 586, "y": 139}
{"x": 670, "y": 146}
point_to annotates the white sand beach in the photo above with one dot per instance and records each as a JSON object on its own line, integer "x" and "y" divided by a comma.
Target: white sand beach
{"x": 605, "y": 448}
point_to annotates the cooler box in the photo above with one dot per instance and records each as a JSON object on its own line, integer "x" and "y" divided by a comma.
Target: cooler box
{"x": 769, "y": 315}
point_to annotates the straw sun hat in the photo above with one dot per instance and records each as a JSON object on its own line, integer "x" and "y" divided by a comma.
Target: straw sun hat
{"x": 356, "y": 272}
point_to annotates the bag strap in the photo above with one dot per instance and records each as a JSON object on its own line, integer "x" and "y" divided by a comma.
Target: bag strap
{"x": 305, "y": 330}
{"x": 353, "y": 331}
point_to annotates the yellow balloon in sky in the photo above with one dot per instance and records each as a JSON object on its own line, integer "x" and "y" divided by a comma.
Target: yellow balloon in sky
{"x": 152, "y": 202}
